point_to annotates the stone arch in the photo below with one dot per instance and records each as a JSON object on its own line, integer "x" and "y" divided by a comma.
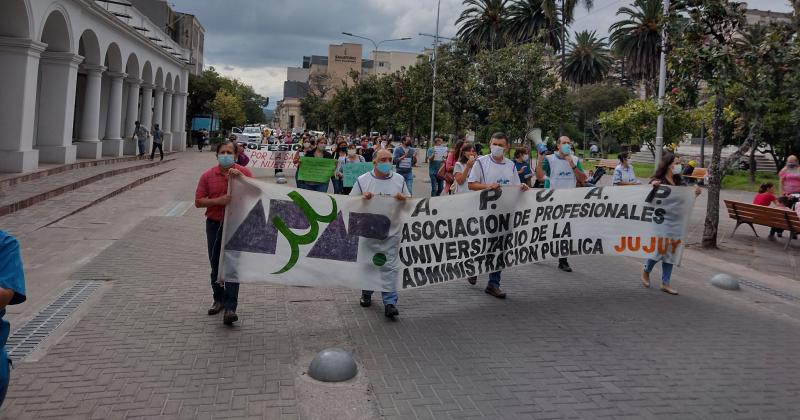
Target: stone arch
{"x": 168, "y": 81}
{"x": 56, "y": 31}
{"x": 89, "y": 48}
{"x": 113, "y": 58}
{"x": 159, "y": 80}
{"x": 177, "y": 84}
{"x": 16, "y": 19}
{"x": 147, "y": 72}
{"x": 132, "y": 65}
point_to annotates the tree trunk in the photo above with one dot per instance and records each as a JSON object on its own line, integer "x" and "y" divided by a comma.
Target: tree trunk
{"x": 752, "y": 168}
{"x": 715, "y": 184}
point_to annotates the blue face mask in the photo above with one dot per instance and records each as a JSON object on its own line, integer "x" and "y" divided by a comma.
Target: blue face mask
{"x": 369, "y": 144}
{"x": 385, "y": 167}
{"x": 565, "y": 149}
{"x": 226, "y": 161}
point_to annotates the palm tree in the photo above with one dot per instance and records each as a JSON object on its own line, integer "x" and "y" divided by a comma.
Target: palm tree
{"x": 566, "y": 8}
{"x": 588, "y": 59}
{"x": 637, "y": 39}
{"x": 482, "y": 23}
{"x": 532, "y": 20}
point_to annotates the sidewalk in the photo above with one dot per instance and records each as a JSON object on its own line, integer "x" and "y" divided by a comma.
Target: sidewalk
{"x": 588, "y": 344}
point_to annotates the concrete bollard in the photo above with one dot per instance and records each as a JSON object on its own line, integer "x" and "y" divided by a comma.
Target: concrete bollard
{"x": 333, "y": 365}
{"x": 725, "y": 281}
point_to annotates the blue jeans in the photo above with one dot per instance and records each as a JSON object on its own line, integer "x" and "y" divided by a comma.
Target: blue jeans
{"x": 228, "y": 294}
{"x": 140, "y": 143}
{"x": 338, "y": 185}
{"x": 437, "y": 185}
{"x": 409, "y": 177}
{"x": 315, "y": 186}
{"x": 666, "y": 270}
{"x": 389, "y": 298}
{"x": 494, "y": 279}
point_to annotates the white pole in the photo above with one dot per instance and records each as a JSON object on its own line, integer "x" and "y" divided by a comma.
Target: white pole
{"x": 433, "y": 94}
{"x": 662, "y": 86}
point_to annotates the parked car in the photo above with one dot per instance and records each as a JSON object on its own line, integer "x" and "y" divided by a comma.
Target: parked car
{"x": 253, "y": 133}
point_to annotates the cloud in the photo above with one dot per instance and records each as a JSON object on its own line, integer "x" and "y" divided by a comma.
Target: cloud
{"x": 265, "y": 80}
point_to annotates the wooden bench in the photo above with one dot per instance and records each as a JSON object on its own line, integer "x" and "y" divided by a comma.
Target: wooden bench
{"x": 609, "y": 164}
{"x": 749, "y": 214}
{"x": 698, "y": 174}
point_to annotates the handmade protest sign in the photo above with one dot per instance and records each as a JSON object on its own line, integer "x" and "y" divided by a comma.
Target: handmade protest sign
{"x": 316, "y": 169}
{"x": 277, "y": 156}
{"x": 279, "y": 235}
{"x": 354, "y": 170}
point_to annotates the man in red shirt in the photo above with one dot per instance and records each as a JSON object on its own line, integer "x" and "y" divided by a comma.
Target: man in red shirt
{"x": 212, "y": 194}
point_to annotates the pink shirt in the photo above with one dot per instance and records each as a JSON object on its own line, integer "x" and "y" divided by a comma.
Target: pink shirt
{"x": 791, "y": 181}
{"x": 213, "y": 183}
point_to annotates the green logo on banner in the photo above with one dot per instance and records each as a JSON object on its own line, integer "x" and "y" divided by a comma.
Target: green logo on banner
{"x": 309, "y": 237}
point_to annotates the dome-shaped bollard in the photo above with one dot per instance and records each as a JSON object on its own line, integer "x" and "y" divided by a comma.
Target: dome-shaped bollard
{"x": 725, "y": 281}
{"x": 280, "y": 180}
{"x": 333, "y": 365}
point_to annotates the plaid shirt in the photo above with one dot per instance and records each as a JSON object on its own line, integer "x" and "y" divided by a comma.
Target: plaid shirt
{"x": 213, "y": 183}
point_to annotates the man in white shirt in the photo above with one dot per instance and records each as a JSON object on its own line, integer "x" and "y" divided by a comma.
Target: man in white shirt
{"x": 381, "y": 181}
{"x": 489, "y": 172}
{"x": 563, "y": 170}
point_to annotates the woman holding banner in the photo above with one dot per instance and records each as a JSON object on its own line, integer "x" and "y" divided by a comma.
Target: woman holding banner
{"x": 212, "y": 195}
{"x": 667, "y": 173}
{"x": 317, "y": 151}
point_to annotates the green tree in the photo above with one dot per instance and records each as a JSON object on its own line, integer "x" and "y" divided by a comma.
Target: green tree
{"x": 315, "y": 111}
{"x": 455, "y": 86}
{"x": 590, "y": 101}
{"x": 637, "y": 39}
{"x": 227, "y": 107}
{"x": 635, "y": 123}
{"x": 483, "y": 23}
{"x": 587, "y": 61}
{"x": 531, "y": 21}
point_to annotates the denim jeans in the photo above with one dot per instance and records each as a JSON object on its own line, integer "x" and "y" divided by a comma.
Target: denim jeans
{"x": 228, "y": 294}
{"x": 315, "y": 186}
{"x": 409, "y": 177}
{"x": 666, "y": 270}
{"x": 389, "y": 298}
{"x": 338, "y": 185}
{"x": 140, "y": 143}
{"x": 437, "y": 185}
{"x": 494, "y": 279}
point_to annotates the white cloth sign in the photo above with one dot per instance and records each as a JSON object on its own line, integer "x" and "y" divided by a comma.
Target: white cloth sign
{"x": 298, "y": 237}
{"x": 439, "y": 152}
{"x": 278, "y": 156}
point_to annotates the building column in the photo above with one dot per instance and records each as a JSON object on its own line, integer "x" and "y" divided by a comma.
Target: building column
{"x": 132, "y": 115}
{"x": 176, "y": 123}
{"x": 89, "y": 146}
{"x": 166, "y": 121}
{"x": 112, "y": 143}
{"x": 58, "y": 77}
{"x": 182, "y": 121}
{"x": 158, "y": 107}
{"x": 146, "y": 113}
{"x": 18, "y": 81}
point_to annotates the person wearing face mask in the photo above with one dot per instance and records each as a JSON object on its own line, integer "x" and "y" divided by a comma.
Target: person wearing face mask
{"x": 623, "y": 173}
{"x": 667, "y": 173}
{"x": 490, "y": 172}
{"x": 382, "y": 182}
{"x": 367, "y": 151}
{"x": 405, "y": 158}
{"x": 348, "y": 158}
{"x": 317, "y": 151}
{"x": 212, "y": 195}
{"x": 563, "y": 170}
{"x": 340, "y": 153}
{"x": 790, "y": 177}
{"x": 522, "y": 163}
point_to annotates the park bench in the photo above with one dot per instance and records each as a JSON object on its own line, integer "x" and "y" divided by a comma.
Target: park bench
{"x": 609, "y": 164}
{"x": 698, "y": 174}
{"x": 749, "y": 214}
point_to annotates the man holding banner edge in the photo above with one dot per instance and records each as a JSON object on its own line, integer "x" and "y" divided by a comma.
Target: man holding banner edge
{"x": 490, "y": 172}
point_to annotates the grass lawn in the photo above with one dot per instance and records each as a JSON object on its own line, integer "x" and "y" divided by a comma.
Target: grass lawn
{"x": 740, "y": 180}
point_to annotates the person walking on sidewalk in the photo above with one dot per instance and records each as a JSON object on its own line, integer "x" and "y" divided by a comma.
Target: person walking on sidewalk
{"x": 490, "y": 172}
{"x": 381, "y": 181}
{"x": 12, "y": 292}
{"x": 157, "y": 136}
{"x": 668, "y": 173}
{"x": 563, "y": 170}
{"x": 140, "y": 135}
{"x": 405, "y": 158}
{"x": 436, "y": 156}
{"x": 212, "y": 194}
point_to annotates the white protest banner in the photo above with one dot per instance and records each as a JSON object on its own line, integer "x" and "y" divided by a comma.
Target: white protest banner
{"x": 277, "y": 156}
{"x": 297, "y": 237}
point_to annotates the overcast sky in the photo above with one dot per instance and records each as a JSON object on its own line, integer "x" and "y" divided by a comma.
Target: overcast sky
{"x": 255, "y": 40}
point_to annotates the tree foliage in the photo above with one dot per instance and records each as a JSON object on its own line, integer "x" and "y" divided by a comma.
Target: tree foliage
{"x": 204, "y": 90}
{"x": 637, "y": 39}
{"x": 227, "y": 107}
{"x": 587, "y": 60}
{"x": 635, "y": 123}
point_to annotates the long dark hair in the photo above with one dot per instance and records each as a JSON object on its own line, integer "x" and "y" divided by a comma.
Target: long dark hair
{"x": 466, "y": 147}
{"x": 663, "y": 171}
{"x": 457, "y": 149}
{"x": 764, "y": 187}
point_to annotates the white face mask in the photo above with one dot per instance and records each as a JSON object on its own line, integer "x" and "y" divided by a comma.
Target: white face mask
{"x": 351, "y": 152}
{"x": 525, "y": 158}
{"x": 677, "y": 169}
{"x": 497, "y": 151}
{"x": 306, "y": 145}
{"x": 383, "y": 145}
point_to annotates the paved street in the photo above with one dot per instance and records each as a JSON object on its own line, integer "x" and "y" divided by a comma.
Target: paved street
{"x": 590, "y": 344}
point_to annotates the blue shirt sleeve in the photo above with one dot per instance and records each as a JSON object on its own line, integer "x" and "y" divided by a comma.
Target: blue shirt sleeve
{"x": 11, "y": 274}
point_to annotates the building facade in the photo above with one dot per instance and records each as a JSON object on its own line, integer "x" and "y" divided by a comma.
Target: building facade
{"x": 76, "y": 74}
{"x": 388, "y": 62}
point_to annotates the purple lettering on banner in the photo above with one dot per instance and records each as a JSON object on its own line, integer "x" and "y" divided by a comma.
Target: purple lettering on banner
{"x": 335, "y": 243}
{"x": 257, "y": 235}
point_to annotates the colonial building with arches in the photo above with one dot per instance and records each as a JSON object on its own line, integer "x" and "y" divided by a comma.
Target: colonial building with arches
{"x": 75, "y": 76}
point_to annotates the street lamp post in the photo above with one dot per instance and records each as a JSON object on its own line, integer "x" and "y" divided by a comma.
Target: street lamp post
{"x": 375, "y": 45}
{"x": 662, "y": 86}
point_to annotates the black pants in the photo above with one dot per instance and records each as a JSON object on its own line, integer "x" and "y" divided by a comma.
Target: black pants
{"x": 228, "y": 294}
{"x": 562, "y": 261}
{"x": 160, "y": 150}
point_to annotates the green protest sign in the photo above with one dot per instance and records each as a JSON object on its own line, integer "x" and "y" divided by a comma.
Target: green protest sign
{"x": 354, "y": 170}
{"x": 316, "y": 169}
